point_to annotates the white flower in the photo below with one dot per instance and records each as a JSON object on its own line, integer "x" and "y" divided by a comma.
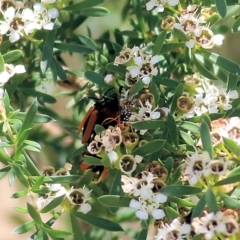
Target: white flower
{"x": 159, "y": 4}
{"x": 108, "y": 78}
{"x": 9, "y": 71}
{"x": 48, "y": 1}
{"x": 218, "y": 39}
{"x": 113, "y": 156}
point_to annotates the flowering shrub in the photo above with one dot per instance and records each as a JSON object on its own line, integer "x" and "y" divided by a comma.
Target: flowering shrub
{"x": 153, "y": 135}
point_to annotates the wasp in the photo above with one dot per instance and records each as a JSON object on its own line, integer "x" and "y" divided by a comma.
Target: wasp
{"x": 104, "y": 112}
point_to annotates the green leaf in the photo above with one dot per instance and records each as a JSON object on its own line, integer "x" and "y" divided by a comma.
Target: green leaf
{"x": 6, "y": 102}
{"x": 82, "y": 5}
{"x": 19, "y": 194}
{"x": 221, "y": 7}
{"x": 96, "y": 78}
{"x": 168, "y": 47}
{"x": 92, "y": 160}
{"x": 222, "y": 62}
{"x": 23, "y": 136}
{"x": 24, "y": 228}
{"x": 228, "y": 180}
{"x": 114, "y": 201}
{"x": 171, "y": 213}
{"x": 230, "y": 202}
{"x": 29, "y": 117}
{"x": 168, "y": 164}
{"x": 64, "y": 179}
{"x": 73, "y": 48}
{"x": 182, "y": 202}
{"x": 153, "y": 124}
{"x": 149, "y": 148}
{"x": 159, "y": 43}
{"x": 180, "y": 35}
{"x": 179, "y": 190}
{"x": 172, "y": 129}
{"x": 54, "y": 234}
{"x": 47, "y": 51}
{"x": 234, "y": 172}
{"x": 18, "y": 171}
{"x": 53, "y": 204}
{"x": 99, "y": 222}
{"x": 198, "y": 209}
{"x": 110, "y": 67}
{"x": 88, "y": 42}
{"x": 211, "y": 201}
{"x": 232, "y": 146}
{"x": 236, "y": 25}
{"x": 142, "y": 234}
{"x": 31, "y": 148}
{"x": 39, "y": 118}
{"x": 178, "y": 93}
{"x": 206, "y": 139}
{"x": 76, "y": 229}
{"x": 95, "y": 12}
{"x": 34, "y": 214}
{"x": 190, "y": 126}
{"x": 42, "y": 97}
{"x": 202, "y": 68}
{"x": 20, "y": 209}
{"x": 197, "y": 237}
{"x": 12, "y": 56}
{"x": 136, "y": 88}
{"x": 32, "y": 143}
{"x": 1, "y": 63}
{"x": 59, "y": 69}
{"x": 165, "y": 81}
{"x": 187, "y": 138}
{"x": 153, "y": 88}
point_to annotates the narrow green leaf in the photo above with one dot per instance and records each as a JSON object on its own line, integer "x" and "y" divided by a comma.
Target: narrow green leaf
{"x": 29, "y": 117}
{"x": 6, "y": 102}
{"x": 159, "y": 43}
{"x": 53, "y": 204}
{"x": 198, "y": 209}
{"x": 168, "y": 164}
{"x": 182, "y": 202}
{"x": 165, "y": 81}
{"x": 82, "y": 5}
{"x": 228, "y": 180}
{"x": 142, "y": 234}
{"x": 114, "y": 201}
{"x": 12, "y": 56}
{"x": 64, "y": 179}
{"x": 20, "y": 209}
{"x": 206, "y": 139}
{"x": 180, "y": 35}
{"x": 211, "y": 201}
{"x": 234, "y": 172}
{"x": 42, "y": 97}
{"x": 23, "y": 136}
{"x": 222, "y": 62}
{"x": 34, "y": 214}
{"x": 31, "y": 148}
{"x": 149, "y": 148}
{"x": 202, "y": 68}
{"x": 92, "y": 160}
{"x": 236, "y": 25}
{"x": 32, "y": 143}
{"x": 221, "y": 7}
{"x": 54, "y": 234}
{"x": 96, "y": 78}
{"x": 187, "y": 139}
{"x": 18, "y": 171}
{"x": 1, "y": 63}
{"x": 170, "y": 213}
{"x": 230, "y": 202}
{"x": 39, "y": 118}
{"x": 88, "y": 42}
{"x": 168, "y": 47}
{"x": 110, "y": 67}
{"x": 73, "y": 48}
{"x": 178, "y": 93}
{"x": 99, "y": 222}
{"x": 190, "y": 126}
{"x": 172, "y": 129}
{"x": 47, "y": 51}
{"x": 19, "y": 194}
{"x": 24, "y": 228}
{"x": 59, "y": 69}
{"x": 77, "y": 232}
{"x": 94, "y": 12}
{"x": 153, "y": 124}
{"x": 153, "y": 88}
{"x": 232, "y": 82}
{"x": 179, "y": 190}
{"x": 232, "y": 146}
{"x": 136, "y": 88}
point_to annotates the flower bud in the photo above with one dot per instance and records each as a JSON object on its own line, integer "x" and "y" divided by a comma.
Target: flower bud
{"x": 167, "y": 23}
{"x": 130, "y": 140}
{"x": 48, "y": 171}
